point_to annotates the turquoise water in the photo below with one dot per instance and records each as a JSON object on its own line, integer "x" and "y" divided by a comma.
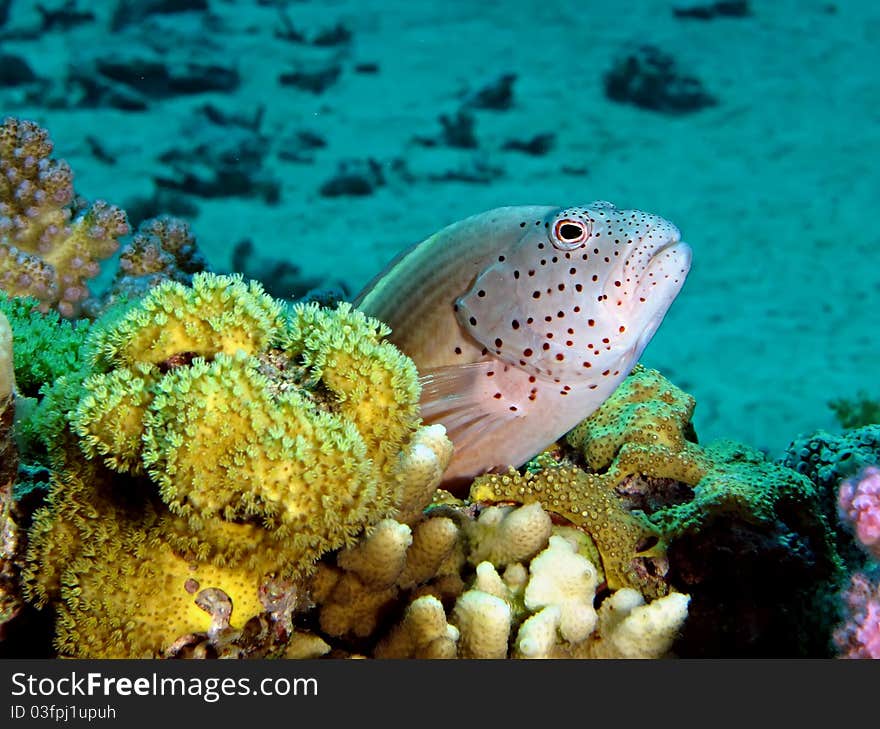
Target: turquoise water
{"x": 315, "y": 130}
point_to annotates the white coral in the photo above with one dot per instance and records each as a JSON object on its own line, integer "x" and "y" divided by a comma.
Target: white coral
{"x": 562, "y": 577}
{"x": 484, "y": 623}
{"x": 379, "y": 558}
{"x": 632, "y": 629}
{"x": 423, "y": 633}
{"x": 504, "y": 535}
{"x": 419, "y": 471}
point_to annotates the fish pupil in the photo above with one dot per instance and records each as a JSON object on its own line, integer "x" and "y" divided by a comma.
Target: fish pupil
{"x": 570, "y": 231}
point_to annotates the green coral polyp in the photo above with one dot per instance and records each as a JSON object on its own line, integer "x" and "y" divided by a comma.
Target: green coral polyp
{"x": 375, "y": 385}
{"x": 273, "y": 454}
{"x": 109, "y": 418}
{"x": 44, "y": 346}
{"x": 216, "y": 314}
{"x": 293, "y": 425}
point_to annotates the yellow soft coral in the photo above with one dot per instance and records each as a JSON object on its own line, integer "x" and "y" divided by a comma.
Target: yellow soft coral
{"x": 216, "y": 314}
{"x": 306, "y": 426}
{"x": 243, "y": 452}
{"x": 373, "y": 383}
{"x": 48, "y": 247}
{"x": 119, "y": 586}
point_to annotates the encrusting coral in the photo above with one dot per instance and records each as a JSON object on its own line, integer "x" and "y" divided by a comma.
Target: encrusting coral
{"x": 646, "y": 482}
{"x": 50, "y": 242}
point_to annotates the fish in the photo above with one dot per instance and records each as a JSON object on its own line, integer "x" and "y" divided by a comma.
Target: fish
{"x": 523, "y": 320}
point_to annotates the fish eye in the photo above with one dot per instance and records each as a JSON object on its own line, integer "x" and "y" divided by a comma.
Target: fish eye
{"x": 568, "y": 234}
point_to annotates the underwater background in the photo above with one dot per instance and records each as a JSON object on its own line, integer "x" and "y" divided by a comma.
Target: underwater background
{"x": 308, "y": 143}
{"x": 238, "y": 477}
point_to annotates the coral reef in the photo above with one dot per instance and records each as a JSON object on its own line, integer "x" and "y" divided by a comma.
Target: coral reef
{"x": 162, "y": 249}
{"x": 230, "y": 443}
{"x": 664, "y": 513}
{"x": 629, "y": 541}
{"x": 235, "y": 477}
{"x": 194, "y": 434}
{"x": 50, "y": 242}
{"x": 858, "y": 636}
{"x": 858, "y": 503}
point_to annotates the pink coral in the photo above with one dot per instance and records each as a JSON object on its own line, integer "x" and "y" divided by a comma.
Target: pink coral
{"x": 859, "y": 635}
{"x": 50, "y": 242}
{"x": 859, "y": 504}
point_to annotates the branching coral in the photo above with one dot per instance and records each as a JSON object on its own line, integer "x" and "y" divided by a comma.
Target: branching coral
{"x": 356, "y": 594}
{"x": 50, "y": 243}
{"x": 546, "y": 611}
{"x": 504, "y": 535}
{"x": 540, "y": 607}
{"x": 163, "y": 249}
{"x": 564, "y": 623}
{"x": 423, "y": 633}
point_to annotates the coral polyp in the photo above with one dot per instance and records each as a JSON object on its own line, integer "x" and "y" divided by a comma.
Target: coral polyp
{"x": 50, "y": 242}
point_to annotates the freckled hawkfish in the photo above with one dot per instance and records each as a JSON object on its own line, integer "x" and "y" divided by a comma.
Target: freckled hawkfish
{"x": 523, "y": 320}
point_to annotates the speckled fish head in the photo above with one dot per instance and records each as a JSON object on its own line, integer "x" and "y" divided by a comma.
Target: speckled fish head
{"x": 580, "y": 293}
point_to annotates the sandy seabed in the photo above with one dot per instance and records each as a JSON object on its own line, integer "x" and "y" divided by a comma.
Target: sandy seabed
{"x": 774, "y": 187}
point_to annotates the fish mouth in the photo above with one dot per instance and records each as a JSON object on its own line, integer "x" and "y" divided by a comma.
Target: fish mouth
{"x": 658, "y": 284}
{"x": 651, "y": 262}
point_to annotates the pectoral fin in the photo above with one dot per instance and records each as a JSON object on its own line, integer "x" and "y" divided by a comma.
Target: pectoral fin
{"x": 463, "y": 398}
